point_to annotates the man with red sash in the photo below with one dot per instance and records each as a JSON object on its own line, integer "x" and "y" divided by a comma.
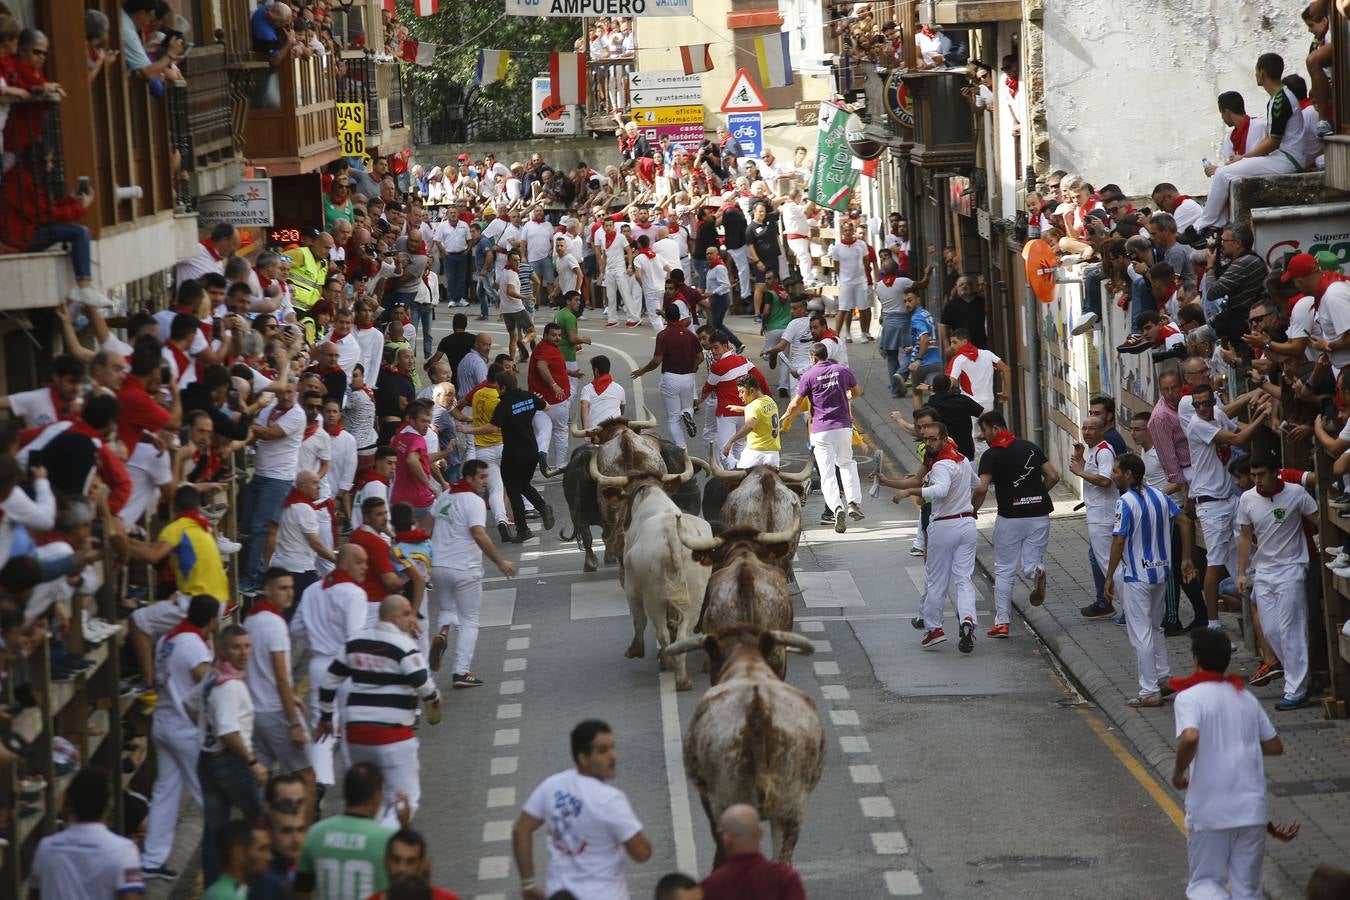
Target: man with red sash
{"x": 548, "y": 378}
{"x": 728, "y": 367}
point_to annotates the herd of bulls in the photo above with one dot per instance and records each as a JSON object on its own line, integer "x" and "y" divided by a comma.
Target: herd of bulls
{"x": 726, "y": 575}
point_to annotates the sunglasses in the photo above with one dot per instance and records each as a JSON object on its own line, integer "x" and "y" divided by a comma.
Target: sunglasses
{"x": 1202, "y": 404}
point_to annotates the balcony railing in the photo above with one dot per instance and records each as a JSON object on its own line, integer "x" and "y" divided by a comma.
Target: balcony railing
{"x": 357, "y": 83}
{"x": 391, "y": 87}
{"x": 293, "y": 115}
{"x": 606, "y": 91}
{"x": 34, "y": 187}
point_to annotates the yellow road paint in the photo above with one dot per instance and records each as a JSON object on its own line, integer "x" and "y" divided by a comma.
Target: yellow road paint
{"x": 1141, "y": 774}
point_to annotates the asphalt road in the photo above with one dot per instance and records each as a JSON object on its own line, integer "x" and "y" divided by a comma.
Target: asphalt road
{"x": 947, "y": 775}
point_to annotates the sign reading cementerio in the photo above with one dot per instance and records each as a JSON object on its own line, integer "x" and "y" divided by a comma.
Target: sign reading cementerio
{"x": 639, "y": 9}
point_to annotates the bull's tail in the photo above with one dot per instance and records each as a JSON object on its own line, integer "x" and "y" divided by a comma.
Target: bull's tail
{"x": 564, "y": 536}
{"x": 763, "y": 753}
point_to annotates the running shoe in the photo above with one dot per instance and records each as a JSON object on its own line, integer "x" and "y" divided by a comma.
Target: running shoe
{"x": 1084, "y": 323}
{"x": 1151, "y": 701}
{"x": 917, "y": 622}
{"x": 998, "y": 631}
{"x": 164, "y": 873}
{"x": 1289, "y": 703}
{"x": 687, "y": 419}
{"x": 630, "y": 324}
{"x": 855, "y": 512}
{"x": 916, "y": 551}
{"x": 840, "y": 521}
{"x": 465, "y": 680}
{"x": 1267, "y": 673}
{"x": 932, "y": 638}
{"x": 1098, "y": 611}
{"x": 505, "y": 531}
{"x": 1038, "y": 592}
{"x": 827, "y": 516}
{"x": 438, "y": 645}
{"x": 967, "y": 641}
{"x": 546, "y": 517}
{"x": 611, "y": 324}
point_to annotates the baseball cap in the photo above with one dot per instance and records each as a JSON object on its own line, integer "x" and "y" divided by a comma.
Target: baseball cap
{"x": 1300, "y": 266}
{"x": 1327, "y": 260}
{"x": 463, "y": 157}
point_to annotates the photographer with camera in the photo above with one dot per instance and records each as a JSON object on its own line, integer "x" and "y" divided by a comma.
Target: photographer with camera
{"x": 1235, "y": 278}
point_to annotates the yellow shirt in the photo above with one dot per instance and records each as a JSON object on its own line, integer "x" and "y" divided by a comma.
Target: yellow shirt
{"x": 485, "y": 401}
{"x": 195, "y": 559}
{"x": 763, "y": 411}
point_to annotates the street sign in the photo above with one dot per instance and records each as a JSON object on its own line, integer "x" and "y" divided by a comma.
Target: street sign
{"x": 668, "y": 115}
{"x": 688, "y": 136}
{"x": 351, "y": 126}
{"x": 673, "y": 78}
{"x": 744, "y": 96}
{"x": 748, "y": 129}
{"x": 589, "y": 9}
{"x": 665, "y": 96}
{"x": 247, "y": 204}
{"x": 547, "y": 117}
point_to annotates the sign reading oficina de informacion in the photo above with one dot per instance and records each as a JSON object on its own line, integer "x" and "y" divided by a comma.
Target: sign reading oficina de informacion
{"x": 638, "y": 9}
{"x": 351, "y": 123}
{"x": 835, "y": 178}
{"x": 546, "y": 116}
{"x": 248, "y": 204}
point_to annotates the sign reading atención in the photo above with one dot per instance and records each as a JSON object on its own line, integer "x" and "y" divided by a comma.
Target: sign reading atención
{"x": 642, "y": 9}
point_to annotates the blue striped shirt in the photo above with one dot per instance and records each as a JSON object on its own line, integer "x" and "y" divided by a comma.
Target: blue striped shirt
{"x": 1143, "y": 518}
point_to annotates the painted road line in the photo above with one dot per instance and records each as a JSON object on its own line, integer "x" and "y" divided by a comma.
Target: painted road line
{"x": 826, "y": 668}
{"x": 877, "y": 807}
{"x": 903, "y": 884}
{"x": 852, "y": 744}
{"x": 493, "y": 867}
{"x": 506, "y": 737}
{"x": 889, "y": 843}
{"x": 509, "y": 711}
{"x": 499, "y": 797}
{"x": 521, "y": 627}
{"x": 514, "y": 664}
{"x": 1141, "y": 775}
{"x": 686, "y": 856}
{"x": 517, "y": 643}
{"x": 844, "y": 717}
{"x": 865, "y": 774}
{"x": 512, "y": 687}
{"x": 497, "y": 831}
{"x": 505, "y": 765}
{"x": 810, "y": 627}
{"x": 834, "y": 692}
{"x": 823, "y": 646}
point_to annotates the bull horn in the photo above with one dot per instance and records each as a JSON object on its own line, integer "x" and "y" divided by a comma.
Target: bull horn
{"x": 716, "y": 468}
{"x": 640, "y": 424}
{"x": 700, "y": 463}
{"x": 799, "y": 476}
{"x": 685, "y": 646}
{"x": 606, "y": 480}
{"x": 573, "y": 427}
{"x": 779, "y": 537}
{"x": 684, "y": 476}
{"x": 790, "y": 640}
{"x": 698, "y": 544}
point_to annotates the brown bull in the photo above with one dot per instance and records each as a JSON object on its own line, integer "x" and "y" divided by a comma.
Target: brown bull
{"x": 761, "y": 498}
{"x": 753, "y": 738}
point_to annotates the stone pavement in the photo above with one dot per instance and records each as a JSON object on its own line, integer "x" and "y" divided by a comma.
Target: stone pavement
{"x": 1308, "y": 784}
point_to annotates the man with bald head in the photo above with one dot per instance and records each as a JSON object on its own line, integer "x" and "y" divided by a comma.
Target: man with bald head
{"x": 331, "y": 610}
{"x": 473, "y": 368}
{"x": 746, "y": 874}
{"x": 1092, "y": 460}
{"x": 327, "y": 367}
{"x": 294, "y": 543}
{"x": 385, "y": 673}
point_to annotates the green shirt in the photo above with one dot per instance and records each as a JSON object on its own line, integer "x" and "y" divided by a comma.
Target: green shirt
{"x": 343, "y": 857}
{"x": 568, "y": 321}
{"x": 332, "y": 213}
{"x": 779, "y": 311}
{"x": 225, "y": 888}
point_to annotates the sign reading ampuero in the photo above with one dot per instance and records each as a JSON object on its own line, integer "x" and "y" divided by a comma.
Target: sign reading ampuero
{"x": 639, "y": 9}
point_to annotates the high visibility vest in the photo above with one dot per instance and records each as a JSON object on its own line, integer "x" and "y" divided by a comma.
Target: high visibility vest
{"x": 307, "y": 277}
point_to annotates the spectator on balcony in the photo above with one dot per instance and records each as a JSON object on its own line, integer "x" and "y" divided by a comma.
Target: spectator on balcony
{"x": 35, "y": 220}
{"x": 23, "y": 76}
{"x": 368, "y": 182}
{"x": 1234, "y": 275}
{"x": 96, "y": 29}
{"x": 1312, "y": 141}
{"x": 137, "y": 17}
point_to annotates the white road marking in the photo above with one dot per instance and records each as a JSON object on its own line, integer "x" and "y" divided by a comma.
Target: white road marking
{"x": 512, "y": 687}
{"x": 877, "y": 807}
{"x": 497, "y": 831}
{"x": 489, "y": 897}
{"x": 866, "y": 774}
{"x": 527, "y": 570}
{"x": 826, "y": 668}
{"x": 499, "y": 608}
{"x": 889, "y": 843}
{"x": 686, "y": 856}
{"x": 508, "y": 711}
{"x": 506, "y": 737}
{"x": 491, "y": 867}
{"x": 505, "y": 765}
{"x": 853, "y": 744}
{"x": 823, "y": 646}
{"x": 810, "y": 627}
{"x": 903, "y": 884}
{"x": 520, "y": 643}
{"x": 521, "y": 627}
{"x": 834, "y": 588}
{"x": 598, "y": 600}
{"x": 834, "y": 691}
{"x": 844, "y": 717}
{"x": 499, "y": 797}
{"x": 515, "y": 664}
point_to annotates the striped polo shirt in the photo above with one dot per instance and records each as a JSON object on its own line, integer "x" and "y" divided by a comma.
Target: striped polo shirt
{"x": 388, "y": 674}
{"x": 1143, "y": 518}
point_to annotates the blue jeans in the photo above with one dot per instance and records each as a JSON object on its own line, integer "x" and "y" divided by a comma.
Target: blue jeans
{"x": 485, "y": 294}
{"x": 700, "y": 272}
{"x": 1141, "y": 298}
{"x": 259, "y": 507}
{"x": 422, "y": 314}
{"x": 1092, "y": 290}
{"x": 544, "y": 269}
{"x": 720, "y": 304}
{"x": 227, "y": 783}
{"x": 77, "y": 236}
{"x": 456, "y": 276}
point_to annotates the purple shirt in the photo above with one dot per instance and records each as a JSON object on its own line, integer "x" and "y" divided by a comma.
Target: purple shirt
{"x": 826, "y": 385}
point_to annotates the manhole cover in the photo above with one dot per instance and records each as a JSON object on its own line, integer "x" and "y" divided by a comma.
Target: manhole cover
{"x": 1038, "y": 863}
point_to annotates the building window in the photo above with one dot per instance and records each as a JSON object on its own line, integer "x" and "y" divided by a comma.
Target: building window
{"x": 805, "y": 23}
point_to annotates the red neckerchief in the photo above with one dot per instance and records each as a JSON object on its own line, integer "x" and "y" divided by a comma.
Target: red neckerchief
{"x": 1171, "y": 292}
{"x": 261, "y": 606}
{"x": 197, "y": 517}
{"x": 311, "y": 429}
{"x": 80, "y": 426}
{"x": 610, "y": 236}
{"x": 715, "y": 263}
{"x": 463, "y": 487}
{"x": 181, "y": 359}
{"x": 1272, "y": 493}
{"x": 1293, "y": 301}
{"x": 601, "y": 383}
{"x": 949, "y": 452}
{"x": 1202, "y": 676}
{"x": 337, "y": 576}
{"x": 849, "y": 243}
{"x": 62, "y": 407}
{"x": 1003, "y": 438}
{"x": 277, "y": 412}
{"x": 296, "y": 497}
{"x": 226, "y": 671}
{"x": 185, "y": 627}
{"x": 889, "y": 280}
{"x": 372, "y": 475}
{"x": 1181, "y": 198}
{"x": 210, "y": 467}
{"x": 969, "y": 351}
{"x": 1304, "y": 104}
{"x": 412, "y": 536}
{"x": 210, "y": 248}
{"x": 1165, "y": 332}
{"x": 1239, "y": 135}
{"x": 647, "y": 252}
{"x": 828, "y": 335}
{"x": 1012, "y": 86}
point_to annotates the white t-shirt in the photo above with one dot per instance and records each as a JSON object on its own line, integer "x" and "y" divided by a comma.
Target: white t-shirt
{"x": 1154, "y": 476}
{"x": 538, "y": 240}
{"x": 1209, "y": 475}
{"x": 453, "y": 236}
{"x": 1303, "y": 324}
{"x": 614, "y": 253}
{"x": 1333, "y": 317}
{"x": 797, "y": 333}
{"x": 453, "y": 514}
{"x": 1100, "y": 501}
{"x": 892, "y": 296}
{"x": 650, "y": 272}
{"x": 270, "y": 635}
{"x": 371, "y": 342}
{"x": 565, "y": 270}
{"x": 315, "y": 450}
{"x": 668, "y": 251}
{"x": 36, "y": 407}
{"x": 349, "y": 354}
{"x": 86, "y": 861}
{"x": 1277, "y": 525}
{"x": 980, "y": 373}
{"x": 510, "y": 304}
{"x": 278, "y": 458}
{"x": 850, "y": 259}
{"x": 229, "y": 710}
{"x": 1228, "y": 776}
{"x": 342, "y": 464}
{"x": 174, "y": 661}
{"x": 604, "y": 406}
{"x": 794, "y": 219}
{"x": 293, "y": 552}
{"x": 588, "y": 823}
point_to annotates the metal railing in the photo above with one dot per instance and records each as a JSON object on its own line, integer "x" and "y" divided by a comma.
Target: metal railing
{"x": 356, "y": 83}
{"x": 36, "y": 185}
{"x": 397, "y": 114}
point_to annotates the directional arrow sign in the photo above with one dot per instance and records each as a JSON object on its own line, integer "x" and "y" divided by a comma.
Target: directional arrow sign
{"x": 673, "y": 79}
{"x": 666, "y": 96}
{"x": 668, "y": 115}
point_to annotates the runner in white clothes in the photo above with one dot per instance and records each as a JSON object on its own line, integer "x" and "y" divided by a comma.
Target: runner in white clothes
{"x": 612, "y": 252}
{"x": 602, "y": 398}
{"x": 830, "y": 388}
{"x": 972, "y": 369}
{"x": 797, "y": 232}
{"x": 86, "y": 860}
{"x": 651, "y": 275}
{"x": 853, "y": 263}
{"x": 1094, "y": 466}
{"x": 591, "y": 826}
{"x": 459, "y": 536}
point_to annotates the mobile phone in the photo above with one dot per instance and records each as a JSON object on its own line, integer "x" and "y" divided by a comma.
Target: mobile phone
{"x": 82, "y": 186}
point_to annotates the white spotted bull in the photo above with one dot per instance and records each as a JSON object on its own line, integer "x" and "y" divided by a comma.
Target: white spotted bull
{"x": 761, "y": 498}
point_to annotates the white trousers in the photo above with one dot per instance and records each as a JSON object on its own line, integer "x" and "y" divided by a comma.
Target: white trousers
{"x": 949, "y": 565}
{"x": 726, "y": 427}
{"x": 176, "y": 752}
{"x": 1231, "y": 856}
{"x": 459, "y": 598}
{"x": 801, "y": 249}
{"x": 771, "y": 338}
{"x": 398, "y": 762}
{"x": 1216, "y": 524}
{"x": 492, "y": 455}
{"x": 1279, "y": 595}
{"x": 677, "y": 393}
{"x": 741, "y": 258}
{"x": 1216, "y": 204}
{"x": 1019, "y": 549}
{"x": 1099, "y": 543}
{"x": 750, "y": 458}
{"x": 1145, "y": 605}
{"x": 710, "y": 422}
{"x": 321, "y": 752}
{"x": 655, "y": 302}
{"x": 322, "y": 566}
{"x": 619, "y": 287}
{"x": 833, "y": 450}
{"x": 550, "y": 427}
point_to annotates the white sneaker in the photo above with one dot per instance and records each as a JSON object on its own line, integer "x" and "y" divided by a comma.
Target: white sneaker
{"x": 866, "y": 338}
{"x": 1070, "y": 259}
{"x": 90, "y": 297}
{"x": 226, "y": 546}
{"x": 1340, "y": 571}
{"x": 1084, "y": 323}
{"x": 1335, "y": 551}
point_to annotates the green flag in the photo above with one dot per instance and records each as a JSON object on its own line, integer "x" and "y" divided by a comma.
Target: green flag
{"x": 835, "y": 178}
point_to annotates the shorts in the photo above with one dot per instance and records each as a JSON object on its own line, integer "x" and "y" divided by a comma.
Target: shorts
{"x": 757, "y": 274}
{"x": 853, "y": 296}
{"x": 158, "y": 619}
{"x": 518, "y": 322}
{"x": 1216, "y": 524}
{"x": 749, "y": 458}
{"x": 926, "y": 373}
{"x": 272, "y": 743}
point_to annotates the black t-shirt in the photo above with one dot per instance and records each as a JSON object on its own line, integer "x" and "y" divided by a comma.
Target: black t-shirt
{"x": 955, "y": 410}
{"x": 1015, "y": 471}
{"x": 392, "y": 386}
{"x": 456, "y": 346}
{"x": 705, "y": 237}
{"x": 734, "y": 227}
{"x": 764, "y": 236}
{"x": 514, "y": 415}
{"x": 958, "y": 313}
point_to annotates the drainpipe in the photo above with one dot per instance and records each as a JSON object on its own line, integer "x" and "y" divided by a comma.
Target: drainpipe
{"x": 1034, "y": 396}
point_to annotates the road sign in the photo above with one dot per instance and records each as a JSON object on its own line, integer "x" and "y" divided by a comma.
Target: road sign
{"x": 744, "y": 96}
{"x": 688, "y": 136}
{"x": 748, "y": 129}
{"x": 673, "y": 78}
{"x": 547, "y": 117}
{"x": 668, "y": 115}
{"x": 575, "y": 9}
{"x": 665, "y": 96}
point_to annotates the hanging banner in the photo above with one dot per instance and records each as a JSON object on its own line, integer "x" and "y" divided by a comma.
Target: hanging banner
{"x": 835, "y": 178}
{"x": 590, "y": 9}
{"x": 351, "y": 123}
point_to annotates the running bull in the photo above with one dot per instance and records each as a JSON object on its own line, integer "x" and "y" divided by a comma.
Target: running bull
{"x": 761, "y": 498}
